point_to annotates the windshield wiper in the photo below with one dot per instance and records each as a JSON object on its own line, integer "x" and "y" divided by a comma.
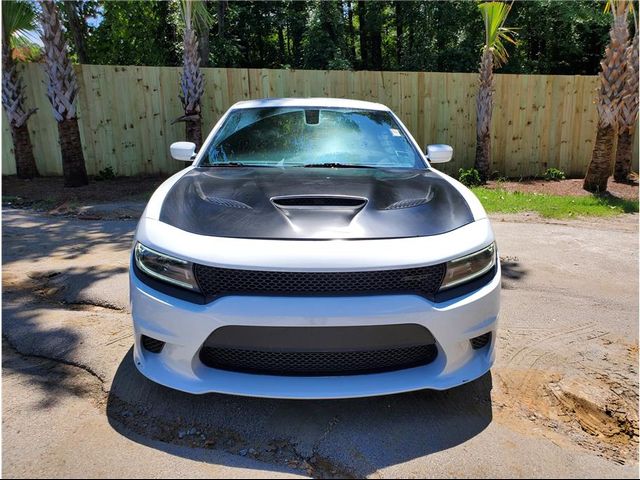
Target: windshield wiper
{"x": 225, "y": 164}
{"x": 335, "y": 165}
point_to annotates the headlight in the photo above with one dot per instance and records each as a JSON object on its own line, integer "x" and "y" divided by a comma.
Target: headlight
{"x": 166, "y": 268}
{"x": 465, "y": 269}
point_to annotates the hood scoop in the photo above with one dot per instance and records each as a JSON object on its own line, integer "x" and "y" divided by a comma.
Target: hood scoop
{"x": 326, "y": 215}
{"x": 319, "y": 202}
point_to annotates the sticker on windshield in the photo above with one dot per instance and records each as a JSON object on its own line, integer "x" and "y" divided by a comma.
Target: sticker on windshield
{"x": 395, "y": 132}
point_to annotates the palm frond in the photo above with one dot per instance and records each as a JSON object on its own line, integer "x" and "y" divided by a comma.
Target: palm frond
{"x": 497, "y": 35}
{"x": 18, "y": 19}
{"x": 615, "y": 5}
{"x": 195, "y": 11}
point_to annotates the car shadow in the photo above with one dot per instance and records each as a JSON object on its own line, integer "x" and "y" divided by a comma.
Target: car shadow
{"x": 512, "y": 272}
{"x": 346, "y": 438}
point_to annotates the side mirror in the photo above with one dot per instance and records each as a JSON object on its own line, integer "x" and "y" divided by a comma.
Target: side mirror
{"x": 439, "y": 153}
{"x": 183, "y": 151}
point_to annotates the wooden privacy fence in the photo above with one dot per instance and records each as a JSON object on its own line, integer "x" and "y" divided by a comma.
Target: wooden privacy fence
{"x": 539, "y": 121}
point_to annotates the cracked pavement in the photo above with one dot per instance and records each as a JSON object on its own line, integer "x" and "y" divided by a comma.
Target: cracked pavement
{"x": 560, "y": 402}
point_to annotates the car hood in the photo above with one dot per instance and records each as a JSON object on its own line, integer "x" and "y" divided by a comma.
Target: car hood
{"x": 314, "y": 203}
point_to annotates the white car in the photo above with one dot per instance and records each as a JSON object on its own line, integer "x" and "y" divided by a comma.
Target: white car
{"x": 311, "y": 251}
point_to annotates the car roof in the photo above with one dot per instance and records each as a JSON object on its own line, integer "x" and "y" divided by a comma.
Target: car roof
{"x": 321, "y": 102}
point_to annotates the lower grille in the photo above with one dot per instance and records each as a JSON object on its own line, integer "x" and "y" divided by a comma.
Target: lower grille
{"x": 482, "y": 341}
{"x": 151, "y": 344}
{"x": 317, "y": 363}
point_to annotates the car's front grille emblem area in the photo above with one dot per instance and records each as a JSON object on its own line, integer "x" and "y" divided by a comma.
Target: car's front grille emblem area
{"x": 317, "y": 363}
{"x": 214, "y": 281}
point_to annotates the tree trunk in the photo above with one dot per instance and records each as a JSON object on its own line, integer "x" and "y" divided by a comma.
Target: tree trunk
{"x": 62, "y": 88}
{"x": 77, "y": 28}
{"x": 483, "y": 156}
{"x": 484, "y": 111}
{"x": 374, "y": 31}
{"x": 612, "y": 79}
{"x": 203, "y": 47}
{"x": 73, "y": 169}
{"x": 352, "y": 35}
{"x": 193, "y": 129}
{"x": 23, "y": 152}
{"x": 13, "y": 103}
{"x": 222, "y": 8}
{"x": 362, "y": 18}
{"x": 399, "y": 32}
{"x": 203, "y": 41}
{"x": 624, "y": 153}
{"x": 376, "y": 49}
{"x": 600, "y": 166}
{"x": 283, "y": 52}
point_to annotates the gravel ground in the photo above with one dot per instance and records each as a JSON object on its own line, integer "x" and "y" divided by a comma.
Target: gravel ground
{"x": 565, "y": 383}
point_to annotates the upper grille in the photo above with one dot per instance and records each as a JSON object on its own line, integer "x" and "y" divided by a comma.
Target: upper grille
{"x": 214, "y": 281}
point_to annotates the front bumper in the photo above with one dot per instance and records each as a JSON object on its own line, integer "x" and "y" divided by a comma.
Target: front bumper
{"x": 185, "y": 326}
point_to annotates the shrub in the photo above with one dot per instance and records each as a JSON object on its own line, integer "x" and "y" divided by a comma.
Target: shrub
{"x": 469, "y": 177}
{"x": 553, "y": 174}
{"x": 106, "y": 173}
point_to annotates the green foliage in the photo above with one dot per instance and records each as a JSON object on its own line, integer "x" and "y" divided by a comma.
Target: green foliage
{"x": 554, "y": 174}
{"x": 469, "y": 177}
{"x": 494, "y": 14}
{"x": 18, "y": 18}
{"x": 572, "y": 41}
{"x": 106, "y": 173}
{"x": 553, "y": 206}
{"x": 136, "y": 33}
{"x": 554, "y": 37}
{"x": 324, "y": 46}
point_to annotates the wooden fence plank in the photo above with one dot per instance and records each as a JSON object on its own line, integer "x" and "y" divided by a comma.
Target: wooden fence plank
{"x": 126, "y": 114}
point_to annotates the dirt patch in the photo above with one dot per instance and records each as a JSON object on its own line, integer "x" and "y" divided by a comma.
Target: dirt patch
{"x": 49, "y": 193}
{"x": 571, "y": 186}
{"x": 591, "y": 402}
{"x": 597, "y": 408}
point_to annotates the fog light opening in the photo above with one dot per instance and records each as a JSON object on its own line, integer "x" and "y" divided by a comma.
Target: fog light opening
{"x": 480, "y": 342}
{"x": 151, "y": 344}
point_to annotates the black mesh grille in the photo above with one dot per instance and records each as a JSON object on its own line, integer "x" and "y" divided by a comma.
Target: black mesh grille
{"x": 151, "y": 344}
{"x": 317, "y": 363}
{"x": 481, "y": 341}
{"x": 215, "y": 281}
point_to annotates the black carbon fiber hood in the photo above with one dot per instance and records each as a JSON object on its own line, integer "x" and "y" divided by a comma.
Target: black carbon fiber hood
{"x": 314, "y": 203}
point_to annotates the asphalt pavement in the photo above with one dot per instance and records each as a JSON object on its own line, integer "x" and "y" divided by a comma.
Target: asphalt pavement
{"x": 561, "y": 401}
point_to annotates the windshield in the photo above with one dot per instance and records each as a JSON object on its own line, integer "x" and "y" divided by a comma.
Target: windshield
{"x": 311, "y": 137}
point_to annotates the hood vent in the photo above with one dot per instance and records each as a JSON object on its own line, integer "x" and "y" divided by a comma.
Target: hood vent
{"x": 319, "y": 202}
{"x": 408, "y": 203}
{"x": 227, "y": 202}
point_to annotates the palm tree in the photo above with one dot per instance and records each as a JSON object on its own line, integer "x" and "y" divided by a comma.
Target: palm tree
{"x": 192, "y": 81}
{"x": 18, "y": 17}
{"x": 628, "y": 113}
{"x": 62, "y": 90}
{"x": 494, "y": 53}
{"x": 612, "y": 82}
